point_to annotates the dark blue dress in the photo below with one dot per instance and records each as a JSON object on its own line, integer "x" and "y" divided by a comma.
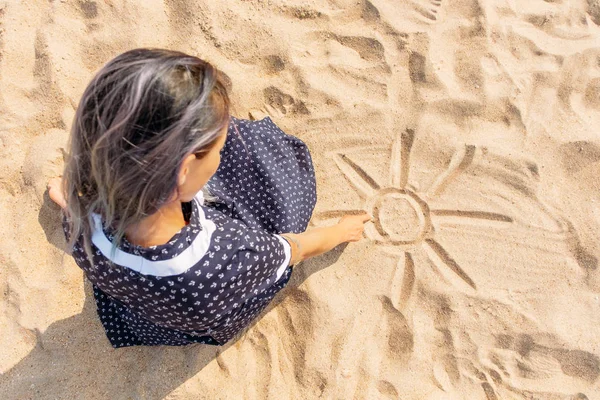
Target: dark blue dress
{"x": 215, "y": 275}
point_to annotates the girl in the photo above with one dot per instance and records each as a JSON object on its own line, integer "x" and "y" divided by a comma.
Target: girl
{"x": 186, "y": 220}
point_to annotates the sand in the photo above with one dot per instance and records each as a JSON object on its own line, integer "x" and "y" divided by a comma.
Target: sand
{"x": 468, "y": 128}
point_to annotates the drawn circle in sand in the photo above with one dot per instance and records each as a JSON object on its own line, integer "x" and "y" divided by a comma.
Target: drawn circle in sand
{"x": 400, "y": 217}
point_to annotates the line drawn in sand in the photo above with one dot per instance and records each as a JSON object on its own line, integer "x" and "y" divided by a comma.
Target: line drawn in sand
{"x": 403, "y": 221}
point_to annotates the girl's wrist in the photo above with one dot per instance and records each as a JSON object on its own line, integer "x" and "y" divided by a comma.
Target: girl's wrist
{"x": 339, "y": 233}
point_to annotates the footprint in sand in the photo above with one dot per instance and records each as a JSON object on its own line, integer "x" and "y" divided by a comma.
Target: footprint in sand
{"x": 89, "y": 9}
{"x": 522, "y": 356}
{"x": 592, "y": 94}
{"x": 343, "y": 50}
{"x": 412, "y": 11}
{"x": 353, "y": 65}
{"x": 301, "y": 13}
{"x": 428, "y": 9}
{"x": 273, "y": 64}
{"x": 594, "y": 10}
{"x": 283, "y": 102}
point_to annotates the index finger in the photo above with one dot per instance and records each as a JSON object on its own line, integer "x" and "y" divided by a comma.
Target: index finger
{"x": 364, "y": 217}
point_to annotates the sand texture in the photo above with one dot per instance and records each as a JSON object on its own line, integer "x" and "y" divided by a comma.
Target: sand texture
{"x": 469, "y": 129}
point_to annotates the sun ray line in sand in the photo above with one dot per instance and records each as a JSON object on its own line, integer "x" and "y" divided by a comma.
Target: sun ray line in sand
{"x": 357, "y": 176}
{"x": 408, "y": 280}
{"x": 443, "y": 258}
{"x": 460, "y": 161}
{"x": 466, "y": 215}
{"x": 333, "y": 214}
{"x": 400, "y": 162}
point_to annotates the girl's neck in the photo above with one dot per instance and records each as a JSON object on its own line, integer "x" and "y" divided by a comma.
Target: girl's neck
{"x": 158, "y": 228}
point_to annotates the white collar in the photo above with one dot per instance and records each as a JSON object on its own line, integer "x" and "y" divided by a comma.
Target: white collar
{"x": 174, "y": 266}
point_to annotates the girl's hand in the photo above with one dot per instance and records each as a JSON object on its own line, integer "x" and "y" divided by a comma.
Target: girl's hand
{"x": 55, "y": 191}
{"x": 321, "y": 240}
{"x": 351, "y": 227}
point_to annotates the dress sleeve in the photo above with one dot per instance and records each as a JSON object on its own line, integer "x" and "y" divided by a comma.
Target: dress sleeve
{"x": 263, "y": 257}
{"x": 287, "y": 248}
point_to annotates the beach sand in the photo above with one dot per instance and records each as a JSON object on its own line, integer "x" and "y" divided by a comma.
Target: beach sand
{"x": 468, "y": 128}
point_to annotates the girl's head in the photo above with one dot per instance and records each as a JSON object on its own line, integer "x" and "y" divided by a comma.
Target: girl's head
{"x": 147, "y": 131}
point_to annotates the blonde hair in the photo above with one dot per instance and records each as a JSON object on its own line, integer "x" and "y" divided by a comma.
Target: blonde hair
{"x": 139, "y": 117}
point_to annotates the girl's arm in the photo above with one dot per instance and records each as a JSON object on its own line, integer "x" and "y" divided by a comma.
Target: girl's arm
{"x": 320, "y": 240}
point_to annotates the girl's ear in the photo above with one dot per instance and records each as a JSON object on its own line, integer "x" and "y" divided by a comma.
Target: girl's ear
{"x": 185, "y": 169}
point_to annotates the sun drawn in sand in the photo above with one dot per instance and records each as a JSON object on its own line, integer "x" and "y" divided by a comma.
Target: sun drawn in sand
{"x": 403, "y": 221}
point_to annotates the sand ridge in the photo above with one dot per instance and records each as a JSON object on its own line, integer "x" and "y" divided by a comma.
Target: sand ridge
{"x": 467, "y": 128}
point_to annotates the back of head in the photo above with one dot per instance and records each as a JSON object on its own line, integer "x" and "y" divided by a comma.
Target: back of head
{"x": 139, "y": 117}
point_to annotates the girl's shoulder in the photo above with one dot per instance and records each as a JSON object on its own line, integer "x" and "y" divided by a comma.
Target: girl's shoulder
{"x": 223, "y": 225}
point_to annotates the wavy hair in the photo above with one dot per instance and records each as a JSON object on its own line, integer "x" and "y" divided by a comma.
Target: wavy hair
{"x": 139, "y": 117}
